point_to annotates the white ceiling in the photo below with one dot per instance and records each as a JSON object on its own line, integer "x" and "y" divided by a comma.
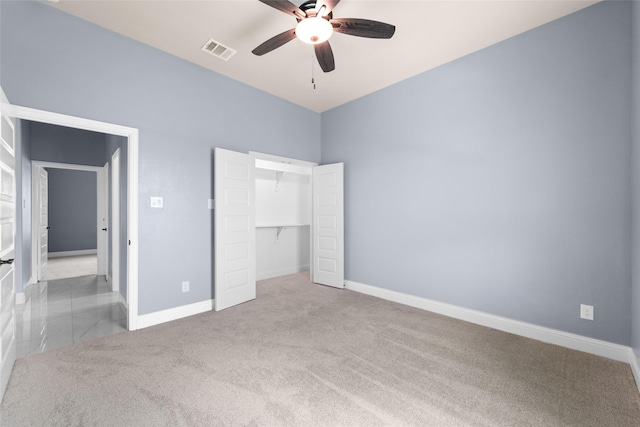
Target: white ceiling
{"x": 429, "y": 33}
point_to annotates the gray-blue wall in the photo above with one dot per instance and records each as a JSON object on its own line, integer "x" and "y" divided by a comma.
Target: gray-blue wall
{"x": 500, "y": 182}
{"x": 72, "y": 210}
{"x": 67, "y": 145}
{"x": 72, "y": 199}
{"x": 635, "y": 308}
{"x": 182, "y": 112}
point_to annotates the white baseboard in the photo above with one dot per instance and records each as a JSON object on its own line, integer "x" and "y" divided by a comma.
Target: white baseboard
{"x": 552, "y": 336}
{"x": 20, "y": 298}
{"x": 6, "y": 367}
{"x": 123, "y": 306}
{"x": 151, "y": 319}
{"x": 72, "y": 253}
{"x": 634, "y": 361}
{"x": 123, "y": 301}
{"x": 262, "y": 275}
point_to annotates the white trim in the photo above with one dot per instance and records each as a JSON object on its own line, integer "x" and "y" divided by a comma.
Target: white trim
{"x": 36, "y": 256}
{"x": 132, "y": 136}
{"x": 5, "y": 373}
{"x": 20, "y": 298}
{"x": 68, "y": 166}
{"x": 132, "y": 230}
{"x": 115, "y": 220}
{"x": 552, "y": 336}
{"x": 158, "y": 317}
{"x": 102, "y": 220}
{"x": 81, "y": 252}
{"x": 634, "y": 362}
{"x": 123, "y": 305}
{"x": 263, "y": 275}
{"x": 123, "y": 302}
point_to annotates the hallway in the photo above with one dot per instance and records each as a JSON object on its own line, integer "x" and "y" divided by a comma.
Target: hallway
{"x": 59, "y": 313}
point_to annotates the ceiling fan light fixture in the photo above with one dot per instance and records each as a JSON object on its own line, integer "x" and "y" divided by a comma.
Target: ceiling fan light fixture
{"x": 314, "y": 30}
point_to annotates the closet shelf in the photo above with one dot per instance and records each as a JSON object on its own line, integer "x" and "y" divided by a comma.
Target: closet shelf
{"x": 282, "y": 167}
{"x": 278, "y": 225}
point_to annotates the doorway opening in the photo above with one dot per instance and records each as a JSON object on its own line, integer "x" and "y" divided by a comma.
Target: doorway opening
{"x": 131, "y": 140}
{"x": 69, "y": 210}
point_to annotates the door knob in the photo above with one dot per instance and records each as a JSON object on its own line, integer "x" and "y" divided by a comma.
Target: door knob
{"x": 48, "y": 227}
{"x": 104, "y": 229}
{"x": 6, "y": 261}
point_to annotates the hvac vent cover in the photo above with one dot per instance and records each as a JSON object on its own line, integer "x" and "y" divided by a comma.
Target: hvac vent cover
{"x": 218, "y": 50}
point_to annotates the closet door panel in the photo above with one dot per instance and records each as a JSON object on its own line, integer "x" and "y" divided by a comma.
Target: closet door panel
{"x": 328, "y": 225}
{"x": 234, "y": 229}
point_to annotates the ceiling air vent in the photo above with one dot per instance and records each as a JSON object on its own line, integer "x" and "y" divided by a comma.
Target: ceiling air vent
{"x": 219, "y": 50}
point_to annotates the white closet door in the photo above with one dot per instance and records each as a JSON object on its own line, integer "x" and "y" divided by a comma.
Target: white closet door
{"x": 328, "y": 225}
{"x": 234, "y": 229}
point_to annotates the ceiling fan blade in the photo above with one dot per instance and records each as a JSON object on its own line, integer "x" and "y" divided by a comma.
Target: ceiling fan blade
{"x": 363, "y": 28}
{"x": 325, "y": 56}
{"x": 275, "y": 42}
{"x": 329, "y": 4}
{"x": 285, "y": 6}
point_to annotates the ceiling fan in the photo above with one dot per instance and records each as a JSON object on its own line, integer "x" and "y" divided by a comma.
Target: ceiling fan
{"x": 316, "y": 24}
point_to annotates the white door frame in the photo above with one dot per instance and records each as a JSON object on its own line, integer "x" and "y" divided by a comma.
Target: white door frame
{"x": 103, "y": 221}
{"x": 131, "y": 134}
{"x": 102, "y": 192}
{"x": 115, "y": 221}
{"x": 35, "y": 204}
{"x": 38, "y": 268}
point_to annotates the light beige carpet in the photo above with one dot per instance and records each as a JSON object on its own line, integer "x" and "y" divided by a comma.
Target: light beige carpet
{"x": 308, "y": 355}
{"x": 71, "y": 266}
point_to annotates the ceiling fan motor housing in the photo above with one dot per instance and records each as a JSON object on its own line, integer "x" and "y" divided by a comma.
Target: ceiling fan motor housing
{"x": 309, "y": 8}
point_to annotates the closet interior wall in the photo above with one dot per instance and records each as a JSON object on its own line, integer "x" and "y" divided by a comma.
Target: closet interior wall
{"x": 283, "y": 218}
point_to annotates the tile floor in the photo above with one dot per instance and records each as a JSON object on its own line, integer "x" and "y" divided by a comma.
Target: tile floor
{"x": 71, "y": 266}
{"x": 62, "y": 312}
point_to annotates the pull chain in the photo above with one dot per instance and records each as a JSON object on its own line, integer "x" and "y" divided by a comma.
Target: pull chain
{"x": 313, "y": 80}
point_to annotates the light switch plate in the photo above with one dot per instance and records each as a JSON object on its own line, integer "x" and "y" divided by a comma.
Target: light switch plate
{"x": 156, "y": 202}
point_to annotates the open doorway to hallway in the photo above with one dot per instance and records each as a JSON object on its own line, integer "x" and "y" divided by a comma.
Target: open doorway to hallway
{"x": 70, "y": 297}
{"x": 75, "y": 214}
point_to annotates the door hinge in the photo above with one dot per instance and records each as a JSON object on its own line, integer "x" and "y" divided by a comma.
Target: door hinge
{"x": 129, "y": 242}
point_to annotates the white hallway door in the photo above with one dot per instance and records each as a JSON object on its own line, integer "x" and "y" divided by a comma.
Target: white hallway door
{"x": 7, "y": 249}
{"x": 43, "y": 200}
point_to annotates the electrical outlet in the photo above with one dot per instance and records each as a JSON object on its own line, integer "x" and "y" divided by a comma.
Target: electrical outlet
{"x": 185, "y": 286}
{"x": 156, "y": 202}
{"x": 586, "y": 312}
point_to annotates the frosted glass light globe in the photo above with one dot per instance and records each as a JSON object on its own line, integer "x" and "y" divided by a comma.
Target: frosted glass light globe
{"x": 314, "y": 30}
